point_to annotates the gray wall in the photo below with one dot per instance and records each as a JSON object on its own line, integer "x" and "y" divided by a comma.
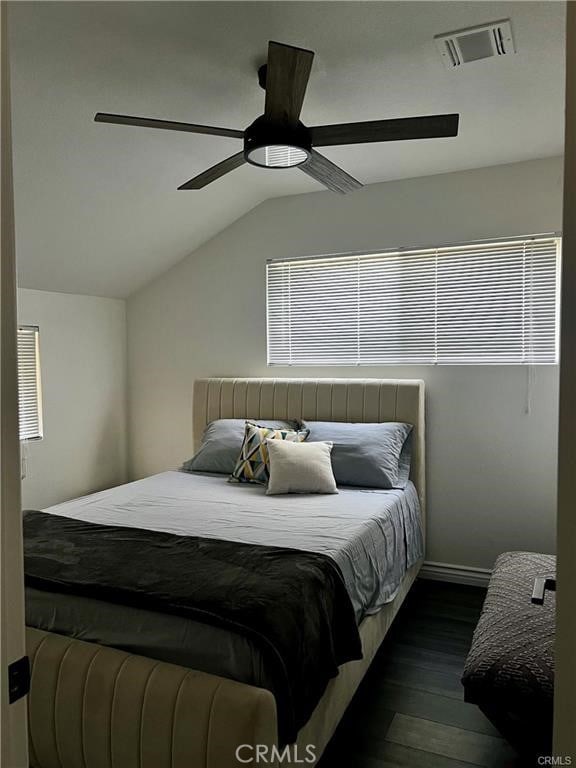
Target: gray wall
{"x": 491, "y": 465}
{"x": 83, "y": 369}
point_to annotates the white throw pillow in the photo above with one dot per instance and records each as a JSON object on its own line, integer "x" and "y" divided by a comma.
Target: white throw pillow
{"x": 300, "y": 468}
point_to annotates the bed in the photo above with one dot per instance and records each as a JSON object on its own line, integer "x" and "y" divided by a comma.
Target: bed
{"x": 172, "y": 701}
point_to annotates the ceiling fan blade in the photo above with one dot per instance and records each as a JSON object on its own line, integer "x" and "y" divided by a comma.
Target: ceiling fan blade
{"x": 287, "y": 74}
{"x": 218, "y": 170}
{"x": 431, "y": 127}
{"x": 167, "y": 125}
{"x": 329, "y": 174}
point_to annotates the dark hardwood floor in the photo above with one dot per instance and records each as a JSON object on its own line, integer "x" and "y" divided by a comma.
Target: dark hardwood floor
{"x": 409, "y": 711}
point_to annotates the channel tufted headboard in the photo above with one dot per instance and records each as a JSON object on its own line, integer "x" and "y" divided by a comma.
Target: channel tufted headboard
{"x": 355, "y": 400}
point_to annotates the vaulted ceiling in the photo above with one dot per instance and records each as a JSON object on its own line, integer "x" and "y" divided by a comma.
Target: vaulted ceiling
{"x": 97, "y": 209}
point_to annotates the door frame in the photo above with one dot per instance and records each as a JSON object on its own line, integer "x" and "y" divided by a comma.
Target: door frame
{"x": 13, "y": 716}
{"x": 565, "y": 679}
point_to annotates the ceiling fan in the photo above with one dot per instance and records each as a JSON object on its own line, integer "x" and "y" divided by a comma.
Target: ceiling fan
{"x": 278, "y": 139}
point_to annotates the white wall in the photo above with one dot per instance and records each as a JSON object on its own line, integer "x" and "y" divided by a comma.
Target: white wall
{"x": 83, "y": 369}
{"x": 491, "y": 466}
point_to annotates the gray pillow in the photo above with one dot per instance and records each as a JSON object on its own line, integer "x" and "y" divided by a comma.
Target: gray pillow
{"x": 222, "y": 442}
{"x": 367, "y": 455}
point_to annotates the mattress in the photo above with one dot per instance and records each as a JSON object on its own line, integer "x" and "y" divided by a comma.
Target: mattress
{"x": 373, "y": 535}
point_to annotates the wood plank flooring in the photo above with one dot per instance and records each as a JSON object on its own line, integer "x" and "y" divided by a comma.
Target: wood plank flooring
{"x": 409, "y": 711}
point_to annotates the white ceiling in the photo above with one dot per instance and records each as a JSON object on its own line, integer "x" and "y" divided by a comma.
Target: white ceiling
{"x": 97, "y": 209}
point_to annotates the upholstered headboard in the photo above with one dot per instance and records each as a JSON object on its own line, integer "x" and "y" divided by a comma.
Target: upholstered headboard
{"x": 355, "y": 400}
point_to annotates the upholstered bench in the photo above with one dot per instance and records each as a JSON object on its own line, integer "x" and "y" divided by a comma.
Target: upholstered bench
{"x": 509, "y": 672}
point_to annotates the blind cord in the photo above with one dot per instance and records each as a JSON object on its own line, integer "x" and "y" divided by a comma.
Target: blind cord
{"x": 23, "y": 459}
{"x": 530, "y": 381}
{"x": 530, "y": 371}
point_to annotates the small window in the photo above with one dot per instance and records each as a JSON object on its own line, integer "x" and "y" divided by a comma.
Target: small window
{"x": 29, "y": 389}
{"x": 481, "y": 303}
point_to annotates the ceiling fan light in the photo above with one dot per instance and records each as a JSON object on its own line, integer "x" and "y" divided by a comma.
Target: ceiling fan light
{"x": 277, "y": 156}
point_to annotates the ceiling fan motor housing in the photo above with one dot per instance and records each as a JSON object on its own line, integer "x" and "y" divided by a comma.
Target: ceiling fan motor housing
{"x": 276, "y": 145}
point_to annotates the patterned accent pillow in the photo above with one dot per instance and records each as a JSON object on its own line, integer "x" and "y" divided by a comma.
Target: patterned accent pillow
{"x": 253, "y": 465}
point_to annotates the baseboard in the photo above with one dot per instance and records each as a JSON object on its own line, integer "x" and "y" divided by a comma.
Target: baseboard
{"x": 457, "y": 574}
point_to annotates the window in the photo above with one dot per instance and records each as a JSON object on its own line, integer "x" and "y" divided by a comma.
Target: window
{"x": 473, "y": 304}
{"x": 30, "y": 393}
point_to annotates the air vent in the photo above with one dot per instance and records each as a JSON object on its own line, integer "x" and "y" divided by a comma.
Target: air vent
{"x": 475, "y": 43}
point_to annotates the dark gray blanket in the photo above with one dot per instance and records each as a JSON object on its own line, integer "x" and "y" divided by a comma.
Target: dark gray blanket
{"x": 292, "y": 604}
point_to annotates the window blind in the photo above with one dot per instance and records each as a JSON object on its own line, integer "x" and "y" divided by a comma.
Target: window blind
{"x": 472, "y": 304}
{"x": 30, "y": 408}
